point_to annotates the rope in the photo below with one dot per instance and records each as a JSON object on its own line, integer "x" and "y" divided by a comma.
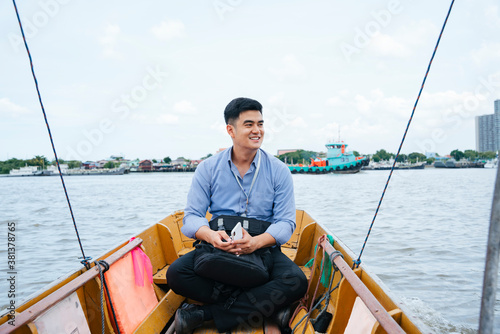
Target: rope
{"x": 328, "y": 264}
{"x": 325, "y": 280}
{"x": 85, "y": 259}
{"x": 358, "y": 261}
{"x": 323, "y": 261}
{"x": 101, "y": 275}
{"x": 105, "y": 286}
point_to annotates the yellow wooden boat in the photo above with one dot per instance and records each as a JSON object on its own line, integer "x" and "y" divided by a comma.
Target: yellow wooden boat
{"x": 163, "y": 243}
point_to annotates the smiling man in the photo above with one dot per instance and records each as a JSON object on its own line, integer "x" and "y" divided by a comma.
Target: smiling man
{"x": 246, "y": 183}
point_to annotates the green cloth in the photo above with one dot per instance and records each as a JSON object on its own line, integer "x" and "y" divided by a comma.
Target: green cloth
{"x": 327, "y": 264}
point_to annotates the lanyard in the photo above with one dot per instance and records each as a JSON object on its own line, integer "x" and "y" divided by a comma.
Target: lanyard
{"x": 251, "y": 186}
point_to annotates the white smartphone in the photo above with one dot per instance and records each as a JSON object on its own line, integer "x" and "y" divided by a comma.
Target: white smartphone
{"x": 237, "y": 232}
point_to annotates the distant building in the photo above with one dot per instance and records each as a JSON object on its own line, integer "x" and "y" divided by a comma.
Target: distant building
{"x": 133, "y": 163}
{"x": 89, "y": 165}
{"x": 488, "y": 130}
{"x": 145, "y": 165}
{"x": 161, "y": 166}
{"x": 280, "y": 152}
{"x": 179, "y": 162}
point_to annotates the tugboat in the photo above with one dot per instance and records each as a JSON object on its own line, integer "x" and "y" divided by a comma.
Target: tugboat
{"x": 338, "y": 160}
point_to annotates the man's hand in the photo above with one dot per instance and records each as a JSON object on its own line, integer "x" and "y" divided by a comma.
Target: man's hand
{"x": 219, "y": 239}
{"x": 249, "y": 244}
{"x": 245, "y": 245}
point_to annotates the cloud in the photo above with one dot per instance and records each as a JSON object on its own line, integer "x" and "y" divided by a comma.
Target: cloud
{"x": 276, "y": 99}
{"x": 385, "y": 45}
{"x": 109, "y": 40}
{"x": 289, "y": 68}
{"x": 298, "y": 122}
{"x": 184, "y": 107}
{"x": 219, "y": 126}
{"x": 439, "y": 117}
{"x": 492, "y": 16}
{"x": 333, "y": 101}
{"x": 168, "y": 119}
{"x": 9, "y": 108}
{"x": 148, "y": 119}
{"x": 168, "y": 30}
{"x": 488, "y": 52}
{"x": 404, "y": 42}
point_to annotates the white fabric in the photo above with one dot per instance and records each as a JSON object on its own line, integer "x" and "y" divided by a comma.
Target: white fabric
{"x": 361, "y": 320}
{"x": 66, "y": 317}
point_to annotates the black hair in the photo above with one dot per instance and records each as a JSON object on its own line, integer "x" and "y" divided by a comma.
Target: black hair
{"x": 239, "y": 105}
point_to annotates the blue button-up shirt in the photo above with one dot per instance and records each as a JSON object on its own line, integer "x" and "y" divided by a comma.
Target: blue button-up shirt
{"x": 214, "y": 188}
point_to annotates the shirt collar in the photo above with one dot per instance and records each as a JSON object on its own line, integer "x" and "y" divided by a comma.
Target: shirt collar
{"x": 230, "y": 161}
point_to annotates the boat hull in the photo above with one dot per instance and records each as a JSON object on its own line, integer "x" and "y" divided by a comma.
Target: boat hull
{"x": 344, "y": 169}
{"x": 164, "y": 243}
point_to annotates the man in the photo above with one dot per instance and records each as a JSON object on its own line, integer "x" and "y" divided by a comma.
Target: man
{"x": 241, "y": 181}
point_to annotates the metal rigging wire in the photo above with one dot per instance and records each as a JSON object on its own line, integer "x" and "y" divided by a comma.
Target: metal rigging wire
{"x": 358, "y": 261}
{"x": 85, "y": 260}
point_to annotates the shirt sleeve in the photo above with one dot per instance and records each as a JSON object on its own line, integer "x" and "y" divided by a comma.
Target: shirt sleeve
{"x": 284, "y": 207}
{"x": 198, "y": 201}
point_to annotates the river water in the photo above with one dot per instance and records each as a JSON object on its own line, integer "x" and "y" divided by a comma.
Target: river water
{"x": 428, "y": 243}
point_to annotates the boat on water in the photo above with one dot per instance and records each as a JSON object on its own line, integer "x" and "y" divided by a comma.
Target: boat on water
{"x": 452, "y": 163}
{"x": 24, "y": 171}
{"x": 399, "y": 165}
{"x": 491, "y": 163}
{"x": 338, "y": 160}
{"x": 354, "y": 301}
{"x": 102, "y": 171}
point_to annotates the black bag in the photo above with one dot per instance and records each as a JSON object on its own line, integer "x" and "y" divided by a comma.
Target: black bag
{"x": 246, "y": 270}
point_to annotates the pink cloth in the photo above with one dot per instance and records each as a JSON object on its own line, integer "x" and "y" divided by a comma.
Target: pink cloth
{"x": 141, "y": 262}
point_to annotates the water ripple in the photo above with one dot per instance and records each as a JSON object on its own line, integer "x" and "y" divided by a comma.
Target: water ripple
{"x": 427, "y": 245}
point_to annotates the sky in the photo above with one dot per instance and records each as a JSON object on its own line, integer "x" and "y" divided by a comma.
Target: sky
{"x": 150, "y": 79}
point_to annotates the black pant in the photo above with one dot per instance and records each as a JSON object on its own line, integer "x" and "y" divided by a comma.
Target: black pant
{"x": 286, "y": 285}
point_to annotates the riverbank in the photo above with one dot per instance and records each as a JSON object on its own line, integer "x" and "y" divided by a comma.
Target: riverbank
{"x": 117, "y": 171}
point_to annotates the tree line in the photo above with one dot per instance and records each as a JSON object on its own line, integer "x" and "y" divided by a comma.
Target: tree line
{"x": 382, "y": 155}
{"x": 298, "y": 156}
{"x": 470, "y": 155}
{"x": 39, "y": 160}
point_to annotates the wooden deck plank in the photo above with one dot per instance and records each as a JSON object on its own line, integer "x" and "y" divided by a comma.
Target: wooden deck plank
{"x": 161, "y": 314}
{"x": 161, "y": 276}
{"x": 184, "y": 251}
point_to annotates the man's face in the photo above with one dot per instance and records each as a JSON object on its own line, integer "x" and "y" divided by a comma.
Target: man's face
{"x": 248, "y": 130}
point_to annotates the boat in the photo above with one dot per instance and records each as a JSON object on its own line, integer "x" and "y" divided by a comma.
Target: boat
{"x": 72, "y": 304}
{"x": 491, "y": 163}
{"x": 452, "y": 163}
{"x": 101, "y": 171}
{"x": 24, "y": 171}
{"x": 338, "y": 160}
{"x": 398, "y": 165}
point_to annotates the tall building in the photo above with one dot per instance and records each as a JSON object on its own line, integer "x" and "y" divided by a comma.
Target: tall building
{"x": 488, "y": 130}
{"x": 497, "y": 122}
